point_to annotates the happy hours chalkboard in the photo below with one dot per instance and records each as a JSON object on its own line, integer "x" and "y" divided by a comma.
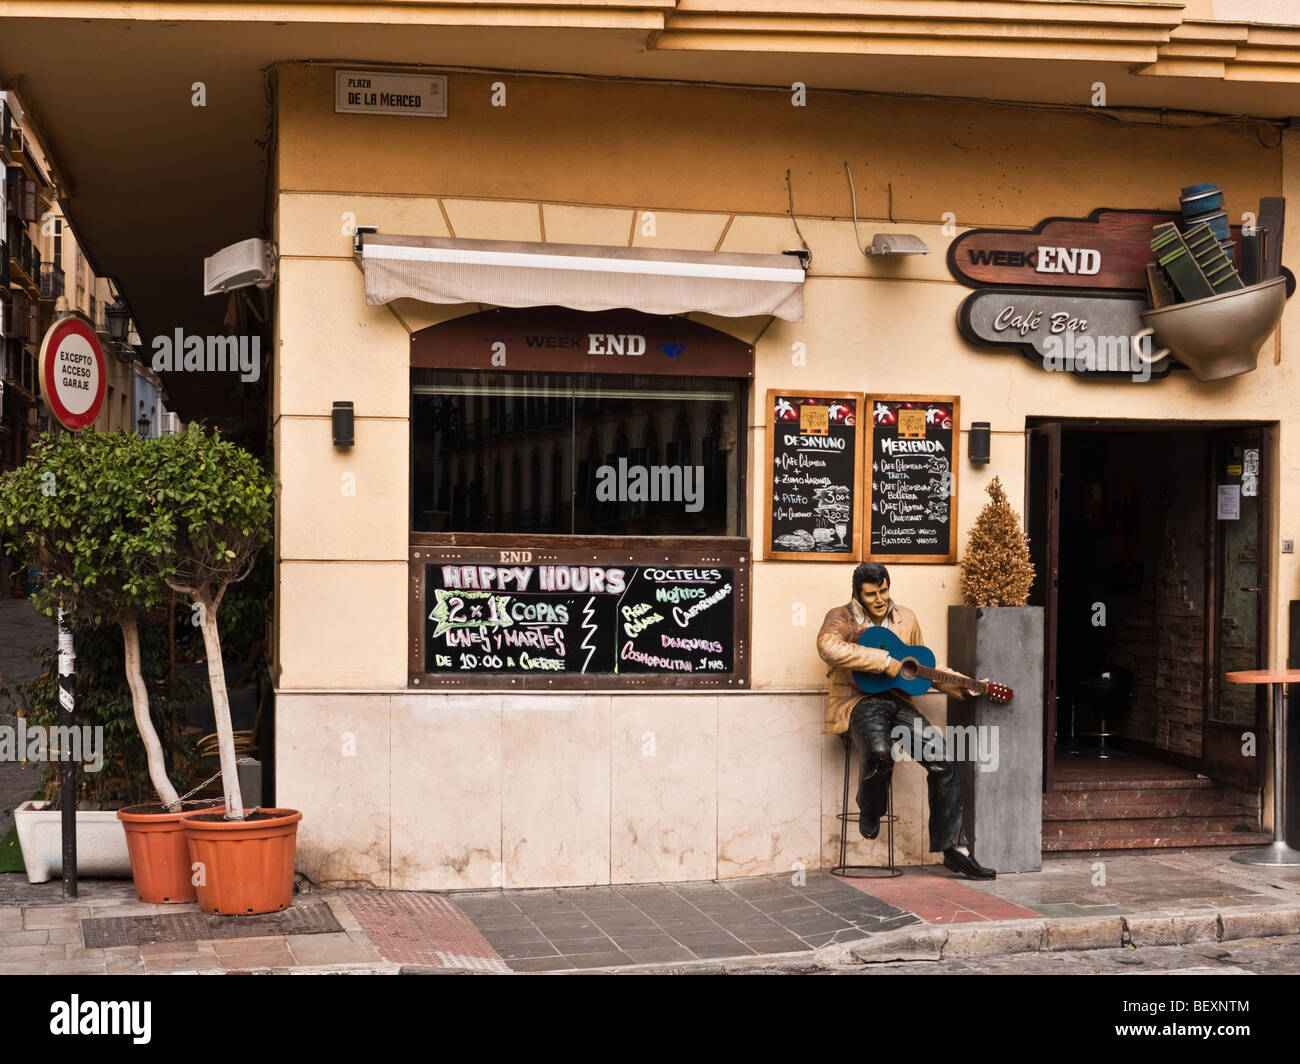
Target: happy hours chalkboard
{"x": 571, "y": 619}
{"x": 814, "y": 463}
{"x": 913, "y": 455}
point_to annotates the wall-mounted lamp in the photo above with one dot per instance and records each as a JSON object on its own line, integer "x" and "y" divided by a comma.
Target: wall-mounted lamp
{"x": 897, "y": 244}
{"x": 341, "y": 419}
{"x": 118, "y": 317}
{"x": 978, "y": 445}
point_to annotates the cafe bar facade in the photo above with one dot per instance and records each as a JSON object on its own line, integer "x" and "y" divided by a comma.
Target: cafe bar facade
{"x": 639, "y": 372}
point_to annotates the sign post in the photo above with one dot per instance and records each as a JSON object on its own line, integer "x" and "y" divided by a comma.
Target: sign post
{"x": 73, "y": 380}
{"x": 68, "y": 770}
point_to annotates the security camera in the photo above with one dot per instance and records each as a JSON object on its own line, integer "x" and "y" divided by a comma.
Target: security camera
{"x": 248, "y": 263}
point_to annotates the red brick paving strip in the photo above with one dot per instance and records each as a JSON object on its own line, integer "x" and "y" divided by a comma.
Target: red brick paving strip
{"x": 409, "y": 928}
{"x": 941, "y": 899}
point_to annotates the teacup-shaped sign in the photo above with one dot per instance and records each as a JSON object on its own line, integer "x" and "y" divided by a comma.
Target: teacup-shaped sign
{"x": 1216, "y": 337}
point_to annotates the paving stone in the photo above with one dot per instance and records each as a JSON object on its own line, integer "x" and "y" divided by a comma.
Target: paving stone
{"x": 992, "y": 939}
{"x": 789, "y": 944}
{"x": 23, "y": 938}
{"x": 11, "y": 919}
{"x": 32, "y": 967}
{"x": 608, "y": 959}
{"x": 904, "y": 920}
{"x": 631, "y": 942}
{"x": 77, "y": 967}
{"x": 1087, "y": 932}
{"x": 328, "y": 949}
{"x": 503, "y": 923}
{"x": 659, "y": 954}
{"x": 539, "y": 964}
{"x": 123, "y": 963}
{"x": 921, "y": 943}
{"x": 20, "y": 954}
{"x": 706, "y": 951}
{"x": 1256, "y": 923}
{"x": 569, "y": 946}
{"x": 538, "y": 949}
{"x": 37, "y": 919}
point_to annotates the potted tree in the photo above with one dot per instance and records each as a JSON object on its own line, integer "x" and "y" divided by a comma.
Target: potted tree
{"x": 995, "y": 634}
{"x": 74, "y": 508}
{"x": 211, "y": 506}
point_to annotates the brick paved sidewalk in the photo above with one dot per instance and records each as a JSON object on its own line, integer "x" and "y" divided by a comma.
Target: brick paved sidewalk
{"x": 768, "y": 920}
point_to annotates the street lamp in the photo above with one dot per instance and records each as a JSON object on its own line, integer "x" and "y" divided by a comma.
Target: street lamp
{"x": 142, "y": 423}
{"x": 119, "y": 318}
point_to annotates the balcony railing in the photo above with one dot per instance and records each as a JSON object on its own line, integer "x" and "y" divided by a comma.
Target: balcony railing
{"x": 51, "y": 280}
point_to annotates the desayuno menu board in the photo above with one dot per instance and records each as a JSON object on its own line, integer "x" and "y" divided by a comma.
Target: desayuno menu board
{"x": 567, "y": 618}
{"x": 913, "y": 477}
{"x": 814, "y": 464}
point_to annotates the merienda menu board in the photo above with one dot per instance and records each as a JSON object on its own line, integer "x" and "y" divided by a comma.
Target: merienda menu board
{"x": 563, "y": 618}
{"x": 913, "y": 478}
{"x": 814, "y": 464}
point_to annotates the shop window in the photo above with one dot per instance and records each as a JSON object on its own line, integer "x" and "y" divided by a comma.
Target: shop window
{"x": 535, "y": 489}
{"x": 591, "y": 424}
{"x": 516, "y": 496}
{"x": 559, "y": 493}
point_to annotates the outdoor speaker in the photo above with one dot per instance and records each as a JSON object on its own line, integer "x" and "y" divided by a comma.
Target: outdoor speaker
{"x": 979, "y": 442}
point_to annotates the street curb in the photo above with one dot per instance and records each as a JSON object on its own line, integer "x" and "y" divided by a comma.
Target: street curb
{"x": 927, "y": 942}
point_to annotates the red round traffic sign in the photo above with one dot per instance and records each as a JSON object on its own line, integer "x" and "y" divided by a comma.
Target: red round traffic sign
{"x": 73, "y": 374}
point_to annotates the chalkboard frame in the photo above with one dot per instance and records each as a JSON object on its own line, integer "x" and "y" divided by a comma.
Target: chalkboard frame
{"x": 494, "y": 549}
{"x": 950, "y": 558}
{"x": 769, "y": 451}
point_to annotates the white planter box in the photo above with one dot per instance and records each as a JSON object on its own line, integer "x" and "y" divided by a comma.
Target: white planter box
{"x": 101, "y": 842}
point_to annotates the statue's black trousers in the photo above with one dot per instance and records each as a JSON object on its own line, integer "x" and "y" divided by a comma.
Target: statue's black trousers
{"x": 876, "y": 723}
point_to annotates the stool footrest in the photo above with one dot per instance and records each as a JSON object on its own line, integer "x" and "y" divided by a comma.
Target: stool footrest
{"x": 866, "y": 871}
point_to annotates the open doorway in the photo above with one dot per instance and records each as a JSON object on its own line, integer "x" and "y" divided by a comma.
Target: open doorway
{"x": 1149, "y": 541}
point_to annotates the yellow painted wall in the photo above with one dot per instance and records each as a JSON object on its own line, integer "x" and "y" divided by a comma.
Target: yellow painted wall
{"x": 583, "y": 161}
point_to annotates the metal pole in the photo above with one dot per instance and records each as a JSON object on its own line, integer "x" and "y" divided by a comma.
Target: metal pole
{"x": 1277, "y": 853}
{"x": 68, "y": 768}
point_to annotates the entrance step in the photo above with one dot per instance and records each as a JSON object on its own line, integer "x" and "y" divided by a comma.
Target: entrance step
{"x": 1176, "y": 840}
{"x": 1152, "y": 812}
{"x": 1149, "y": 825}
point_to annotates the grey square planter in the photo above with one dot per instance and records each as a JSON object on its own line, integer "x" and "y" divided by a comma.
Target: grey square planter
{"x": 1004, "y": 805}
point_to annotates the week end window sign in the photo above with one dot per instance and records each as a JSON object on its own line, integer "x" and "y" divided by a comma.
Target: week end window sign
{"x": 814, "y": 464}
{"x": 912, "y": 515}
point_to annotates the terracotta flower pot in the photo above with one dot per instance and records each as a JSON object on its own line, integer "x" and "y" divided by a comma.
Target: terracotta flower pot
{"x": 160, "y": 855}
{"x": 247, "y": 865}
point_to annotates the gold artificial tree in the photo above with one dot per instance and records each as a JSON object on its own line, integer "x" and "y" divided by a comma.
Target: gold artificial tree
{"x": 996, "y": 570}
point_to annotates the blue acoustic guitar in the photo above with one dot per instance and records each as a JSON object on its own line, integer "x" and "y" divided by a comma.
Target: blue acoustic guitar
{"x": 918, "y": 670}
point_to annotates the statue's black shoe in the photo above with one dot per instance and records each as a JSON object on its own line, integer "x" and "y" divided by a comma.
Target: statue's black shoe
{"x": 966, "y": 865}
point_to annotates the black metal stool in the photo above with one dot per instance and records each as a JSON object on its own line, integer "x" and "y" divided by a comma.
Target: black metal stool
{"x": 888, "y": 871}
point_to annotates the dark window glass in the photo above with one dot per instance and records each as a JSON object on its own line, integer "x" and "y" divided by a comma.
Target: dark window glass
{"x": 480, "y": 444}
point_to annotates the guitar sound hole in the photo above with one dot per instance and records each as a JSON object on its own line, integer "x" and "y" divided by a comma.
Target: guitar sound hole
{"x": 908, "y": 670}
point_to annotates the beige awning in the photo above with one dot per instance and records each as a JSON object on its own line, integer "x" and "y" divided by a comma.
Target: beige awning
{"x": 585, "y": 277}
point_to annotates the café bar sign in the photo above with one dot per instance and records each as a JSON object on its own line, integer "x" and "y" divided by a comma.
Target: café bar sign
{"x": 1069, "y": 293}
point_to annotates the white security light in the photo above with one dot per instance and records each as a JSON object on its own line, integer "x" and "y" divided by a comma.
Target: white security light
{"x": 897, "y": 244}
